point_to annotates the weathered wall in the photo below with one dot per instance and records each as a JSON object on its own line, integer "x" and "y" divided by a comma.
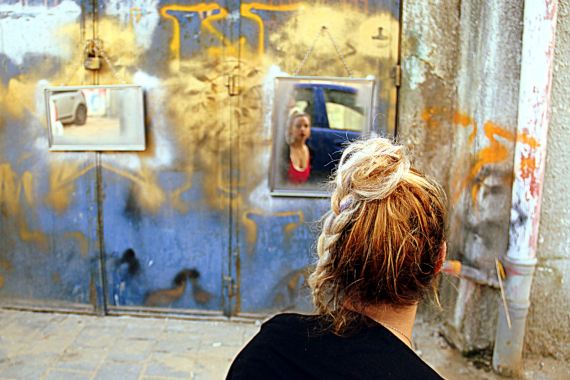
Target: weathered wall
{"x": 548, "y": 321}
{"x": 459, "y": 102}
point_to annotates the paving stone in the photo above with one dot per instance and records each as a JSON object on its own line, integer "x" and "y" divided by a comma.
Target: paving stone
{"x": 28, "y": 367}
{"x": 97, "y": 336}
{"x": 119, "y": 371}
{"x": 178, "y": 342}
{"x": 171, "y": 364}
{"x": 137, "y": 331}
{"x": 68, "y": 326}
{"x": 48, "y": 345}
{"x": 214, "y": 362}
{"x": 81, "y": 358}
{"x": 249, "y": 332}
{"x": 228, "y": 335}
{"x": 21, "y": 330}
{"x": 6, "y": 316}
{"x": 107, "y": 321}
{"x": 8, "y": 350}
{"x": 131, "y": 350}
{"x": 65, "y": 375}
{"x": 175, "y": 325}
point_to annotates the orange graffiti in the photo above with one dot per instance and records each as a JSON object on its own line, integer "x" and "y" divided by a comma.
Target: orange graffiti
{"x": 135, "y": 14}
{"x": 465, "y": 121}
{"x": 494, "y": 153}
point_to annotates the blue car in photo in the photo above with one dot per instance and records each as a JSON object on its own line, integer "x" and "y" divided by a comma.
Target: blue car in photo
{"x": 335, "y": 121}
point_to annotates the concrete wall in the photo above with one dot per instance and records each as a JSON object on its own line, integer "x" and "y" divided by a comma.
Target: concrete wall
{"x": 458, "y": 111}
{"x": 548, "y": 322}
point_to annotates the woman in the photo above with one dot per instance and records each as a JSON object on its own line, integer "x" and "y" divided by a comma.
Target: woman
{"x": 298, "y": 131}
{"x": 380, "y": 249}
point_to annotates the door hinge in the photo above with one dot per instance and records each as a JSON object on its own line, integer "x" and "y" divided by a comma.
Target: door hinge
{"x": 396, "y": 75}
{"x": 232, "y": 83}
{"x": 231, "y": 286}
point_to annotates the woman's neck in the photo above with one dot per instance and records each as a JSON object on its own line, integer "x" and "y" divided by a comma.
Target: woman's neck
{"x": 400, "y": 321}
{"x": 298, "y": 144}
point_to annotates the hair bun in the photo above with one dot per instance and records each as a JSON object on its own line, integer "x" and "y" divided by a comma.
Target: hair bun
{"x": 371, "y": 170}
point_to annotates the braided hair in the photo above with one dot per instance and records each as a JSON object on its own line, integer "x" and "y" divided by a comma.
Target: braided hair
{"x": 380, "y": 242}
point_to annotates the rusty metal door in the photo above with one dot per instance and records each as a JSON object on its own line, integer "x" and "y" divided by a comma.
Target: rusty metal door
{"x": 49, "y": 251}
{"x": 166, "y": 212}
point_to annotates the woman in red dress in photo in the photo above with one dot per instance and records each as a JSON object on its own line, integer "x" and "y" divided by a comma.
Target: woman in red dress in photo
{"x": 298, "y": 131}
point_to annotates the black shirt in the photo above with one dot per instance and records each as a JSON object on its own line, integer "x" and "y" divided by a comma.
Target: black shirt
{"x": 294, "y": 346}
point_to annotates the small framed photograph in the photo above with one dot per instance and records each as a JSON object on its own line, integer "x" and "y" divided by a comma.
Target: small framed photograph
{"x": 313, "y": 120}
{"x": 85, "y": 118}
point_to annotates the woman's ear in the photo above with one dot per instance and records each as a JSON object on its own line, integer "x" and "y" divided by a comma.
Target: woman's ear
{"x": 441, "y": 257}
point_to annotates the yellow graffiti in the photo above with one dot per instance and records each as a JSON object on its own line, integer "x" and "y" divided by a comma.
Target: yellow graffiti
{"x": 11, "y": 189}
{"x": 251, "y": 226}
{"x": 175, "y": 200}
{"x": 6, "y": 264}
{"x": 81, "y": 239}
{"x": 149, "y": 194}
{"x": 61, "y": 183}
{"x": 246, "y": 11}
{"x": 10, "y": 192}
{"x": 206, "y": 22}
{"x": 26, "y": 235}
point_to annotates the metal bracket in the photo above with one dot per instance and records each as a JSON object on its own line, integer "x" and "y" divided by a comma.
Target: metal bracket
{"x": 233, "y": 85}
{"x": 231, "y": 286}
{"x": 396, "y": 75}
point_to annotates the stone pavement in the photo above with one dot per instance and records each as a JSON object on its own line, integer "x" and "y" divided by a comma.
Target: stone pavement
{"x": 51, "y": 346}
{"x": 77, "y": 347}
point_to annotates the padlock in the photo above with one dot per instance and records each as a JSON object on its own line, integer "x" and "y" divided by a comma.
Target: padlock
{"x": 92, "y": 61}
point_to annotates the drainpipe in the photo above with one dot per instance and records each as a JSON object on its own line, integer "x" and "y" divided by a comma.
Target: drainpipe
{"x": 530, "y": 156}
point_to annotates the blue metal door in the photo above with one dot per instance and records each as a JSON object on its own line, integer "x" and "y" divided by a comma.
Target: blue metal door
{"x": 273, "y": 238}
{"x": 187, "y": 226}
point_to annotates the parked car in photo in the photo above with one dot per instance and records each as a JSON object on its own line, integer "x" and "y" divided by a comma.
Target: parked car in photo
{"x": 70, "y": 107}
{"x": 335, "y": 121}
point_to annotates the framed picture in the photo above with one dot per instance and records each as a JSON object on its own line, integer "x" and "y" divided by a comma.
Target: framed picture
{"x": 313, "y": 120}
{"x": 95, "y": 117}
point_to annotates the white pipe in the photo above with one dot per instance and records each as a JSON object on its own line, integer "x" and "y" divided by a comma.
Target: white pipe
{"x": 530, "y": 156}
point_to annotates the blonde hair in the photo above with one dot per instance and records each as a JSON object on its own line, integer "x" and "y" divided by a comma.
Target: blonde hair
{"x": 293, "y": 115}
{"x": 381, "y": 241}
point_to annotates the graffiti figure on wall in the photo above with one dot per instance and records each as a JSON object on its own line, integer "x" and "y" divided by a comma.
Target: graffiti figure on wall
{"x": 165, "y": 297}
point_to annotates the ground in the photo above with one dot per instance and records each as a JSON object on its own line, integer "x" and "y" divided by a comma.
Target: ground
{"x": 51, "y": 346}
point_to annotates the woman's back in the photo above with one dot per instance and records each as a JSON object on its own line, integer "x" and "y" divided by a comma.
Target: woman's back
{"x": 294, "y": 346}
{"x": 381, "y": 247}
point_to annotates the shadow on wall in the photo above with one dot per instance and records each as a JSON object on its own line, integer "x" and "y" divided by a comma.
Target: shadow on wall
{"x": 129, "y": 278}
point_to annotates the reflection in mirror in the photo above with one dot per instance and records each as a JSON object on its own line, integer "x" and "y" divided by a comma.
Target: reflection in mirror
{"x": 95, "y": 117}
{"x": 313, "y": 119}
